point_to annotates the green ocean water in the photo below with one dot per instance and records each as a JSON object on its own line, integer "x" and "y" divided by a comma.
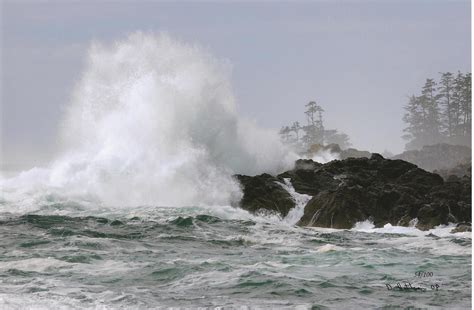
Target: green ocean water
{"x": 154, "y": 257}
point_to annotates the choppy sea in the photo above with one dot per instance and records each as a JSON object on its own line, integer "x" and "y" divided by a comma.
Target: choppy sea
{"x": 153, "y": 121}
{"x": 68, "y": 257}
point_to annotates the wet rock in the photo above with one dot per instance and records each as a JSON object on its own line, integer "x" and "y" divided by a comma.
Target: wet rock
{"x": 357, "y": 189}
{"x": 385, "y": 191}
{"x": 262, "y": 192}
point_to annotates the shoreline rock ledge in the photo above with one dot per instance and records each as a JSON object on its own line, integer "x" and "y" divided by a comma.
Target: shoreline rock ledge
{"x": 352, "y": 190}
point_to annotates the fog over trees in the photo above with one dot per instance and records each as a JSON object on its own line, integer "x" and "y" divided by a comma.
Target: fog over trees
{"x": 440, "y": 113}
{"x": 313, "y": 132}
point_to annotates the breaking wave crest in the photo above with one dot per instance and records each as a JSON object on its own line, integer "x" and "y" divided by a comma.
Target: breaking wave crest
{"x": 152, "y": 121}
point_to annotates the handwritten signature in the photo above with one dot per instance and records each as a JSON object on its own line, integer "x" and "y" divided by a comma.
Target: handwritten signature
{"x": 408, "y": 286}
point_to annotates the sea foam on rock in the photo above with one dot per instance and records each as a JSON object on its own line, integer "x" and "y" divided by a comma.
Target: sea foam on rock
{"x": 358, "y": 189}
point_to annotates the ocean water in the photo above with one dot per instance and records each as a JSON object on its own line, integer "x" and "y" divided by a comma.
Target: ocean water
{"x": 134, "y": 210}
{"x": 62, "y": 257}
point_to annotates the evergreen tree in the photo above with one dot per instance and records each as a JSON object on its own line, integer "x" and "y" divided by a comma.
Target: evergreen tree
{"x": 457, "y": 103}
{"x": 466, "y": 106}
{"x": 312, "y": 111}
{"x": 445, "y": 90}
{"x": 422, "y": 118}
{"x": 414, "y": 119}
{"x": 440, "y": 114}
{"x": 430, "y": 109}
{"x": 314, "y": 131}
{"x": 462, "y": 106}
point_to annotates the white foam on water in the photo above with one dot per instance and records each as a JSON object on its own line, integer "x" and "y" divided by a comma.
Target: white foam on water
{"x": 328, "y": 248}
{"x": 35, "y": 302}
{"x": 152, "y": 121}
{"x": 437, "y": 241}
{"x": 439, "y": 231}
{"x": 295, "y": 214}
{"x": 35, "y": 264}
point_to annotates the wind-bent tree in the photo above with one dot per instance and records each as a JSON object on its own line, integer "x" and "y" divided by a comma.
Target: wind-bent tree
{"x": 314, "y": 131}
{"x": 312, "y": 108}
{"x": 315, "y": 128}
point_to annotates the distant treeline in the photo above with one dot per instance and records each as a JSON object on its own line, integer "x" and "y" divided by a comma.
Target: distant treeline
{"x": 441, "y": 113}
{"x": 313, "y": 132}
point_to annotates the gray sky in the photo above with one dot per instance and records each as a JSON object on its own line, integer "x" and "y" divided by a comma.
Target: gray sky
{"x": 359, "y": 59}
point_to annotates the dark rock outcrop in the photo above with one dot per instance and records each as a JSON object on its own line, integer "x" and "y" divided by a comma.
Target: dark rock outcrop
{"x": 263, "y": 193}
{"x": 357, "y": 189}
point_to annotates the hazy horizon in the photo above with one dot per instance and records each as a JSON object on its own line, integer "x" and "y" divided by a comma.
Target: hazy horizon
{"x": 359, "y": 60}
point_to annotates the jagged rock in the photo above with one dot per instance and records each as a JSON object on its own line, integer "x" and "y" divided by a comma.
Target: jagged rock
{"x": 450, "y": 202}
{"x": 303, "y": 180}
{"x": 358, "y": 189}
{"x": 440, "y": 156}
{"x": 381, "y": 190}
{"x": 262, "y": 193}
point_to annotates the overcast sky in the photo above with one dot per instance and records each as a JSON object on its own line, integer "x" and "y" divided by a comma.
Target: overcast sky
{"x": 358, "y": 59}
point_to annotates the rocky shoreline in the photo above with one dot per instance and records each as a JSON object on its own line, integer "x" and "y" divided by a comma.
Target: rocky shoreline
{"x": 352, "y": 190}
